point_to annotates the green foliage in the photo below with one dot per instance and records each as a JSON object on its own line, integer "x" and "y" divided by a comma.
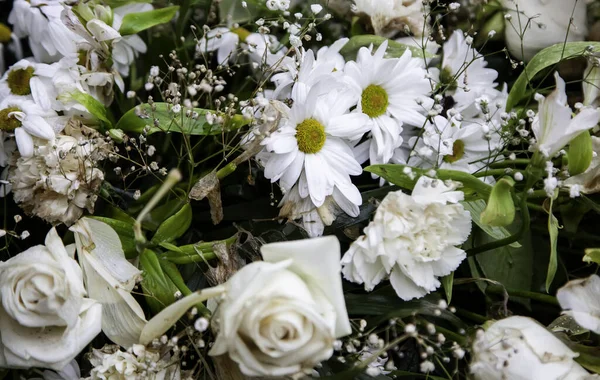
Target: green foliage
{"x": 544, "y": 59}
{"x": 158, "y": 288}
{"x": 396, "y": 174}
{"x": 160, "y": 118}
{"x": 394, "y": 50}
{"x": 134, "y": 23}
{"x": 174, "y": 226}
{"x": 96, "y": 108}
{"x": 581, "y": 153}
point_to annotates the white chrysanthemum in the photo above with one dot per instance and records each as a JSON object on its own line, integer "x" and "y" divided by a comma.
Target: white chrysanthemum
{"x": 389, "y": 17}
{"x": 27, "y": 120}
{"x": 110, "y": 363}
{"x": 310, "y": 147}
{"x": 62, "y": 179}
{"x": 412, "y": 240}
{"x": 464, "y": 71}
{"x": 39, "y": 20}
{"x": 391, "y": 92}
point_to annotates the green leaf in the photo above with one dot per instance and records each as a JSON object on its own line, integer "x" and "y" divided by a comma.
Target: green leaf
{"x": 394, "y": 50}
{"x": 158, "y": 288}
{"x": 396, "y": 175}
{"x": 500, "y": 209}
{"x": 553, "y": 231}
{"x": 512, "y": 267}
{"x": 592, "y": 255}
{"x": 476, "y": 207}
{"x": 581, "y": 153}
{"x": 175, "y": 226}
{"x": 119, "y": 3}
{"x": 93, "y": 106}
{"x": 162, "y": 119}
{"x": 126, "y": 235}
{"x": 136, "y": 22}
{"x": 447, "y": 283}
{"x": 542, "y": 60}
{"x": 589, "y": 357}
{"x": 157, "y": 216}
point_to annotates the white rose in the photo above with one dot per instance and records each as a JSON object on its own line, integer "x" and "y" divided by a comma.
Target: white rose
{"x": 277, "y": 317}
{"x": 45, "y": 321}
{"x": 520, "y": 348}
{"x": 581, "y": 299}
{"x": 282, "y": 315}
{"x": 550, "y": 20}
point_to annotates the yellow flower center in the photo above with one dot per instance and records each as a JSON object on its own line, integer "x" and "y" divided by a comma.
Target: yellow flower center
{"x": 458, "y": 151}
{"x": 310, "y": 135}
{"x": 374, "y": 101}
{"x": 5, "y": 33}
{"x": 9, "y": 123}
{"x": 18, "y": 81}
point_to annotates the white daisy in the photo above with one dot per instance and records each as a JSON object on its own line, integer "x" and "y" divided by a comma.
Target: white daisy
{"x": 314, "y": 219}
{"x": 464, "y": 72}
{"x": 389, "y": 17}
{"x": 26, "y": 120}
{"x": 222, "y": 40}
{"x": 391, "y": 92}
{"x": 39, "y": 20}
{"x": 30, "y": 80}
{"x": 310, "y": 147}
{"x": 310, "y": 70}
{"x": 127, "y": 48}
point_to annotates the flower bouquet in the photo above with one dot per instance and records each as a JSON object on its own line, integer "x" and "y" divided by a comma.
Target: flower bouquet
{"x": 287, "y": 189}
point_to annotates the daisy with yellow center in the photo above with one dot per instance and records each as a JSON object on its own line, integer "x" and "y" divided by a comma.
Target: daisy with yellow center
{"x": 392, "y": 92}
{"x": 311, "y": 147}
{"x": 27, "y": 120}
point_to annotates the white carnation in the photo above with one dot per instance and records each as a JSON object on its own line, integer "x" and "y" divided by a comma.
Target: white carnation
{"x": 61, "y": 180}
{"x": 412, "y": 240}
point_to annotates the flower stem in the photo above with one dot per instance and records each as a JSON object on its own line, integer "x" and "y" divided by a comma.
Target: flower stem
{"x": 544, "y": 298}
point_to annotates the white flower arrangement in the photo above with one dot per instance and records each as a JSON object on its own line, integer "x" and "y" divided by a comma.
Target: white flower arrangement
{"x": 195, "y": 170}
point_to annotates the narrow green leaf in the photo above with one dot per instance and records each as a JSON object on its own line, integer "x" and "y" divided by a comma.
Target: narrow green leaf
{"x": 158, "y": 289}
{"x": 447, "y": 283}
{"x": 553, "y": 231}
{"x": 581, "y": 153}
{"x": 476, "y": 207}
{"x": 161, "y": 118}
{"x": 93, "y": 106}
{"x": 544, "y": 59}
{"x": 175, "y": 226}
{"x": 136, "y": 22}
{"x": 397, "y": 175}
{"x": 394, "y": 50}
